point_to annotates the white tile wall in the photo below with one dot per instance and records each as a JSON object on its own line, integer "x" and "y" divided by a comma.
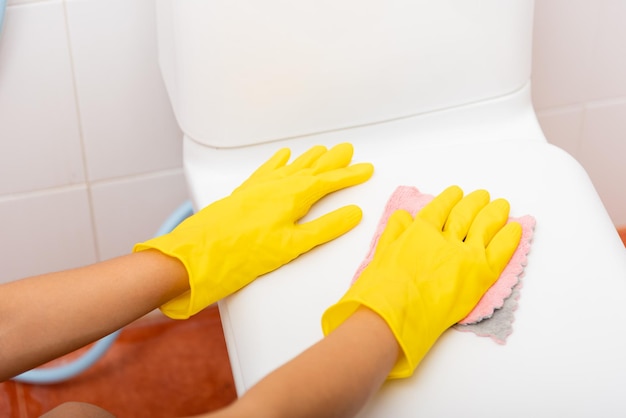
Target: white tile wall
{"x": 46, "y": 231}
{"x": 130, "y": 210}
{"x": 603, "y": 152}
{"x": 563, "y": 127}
{"x": 127, "y": 121}
{"x": 90, "y": 153}
{"x": 563, "y": 43}
{"x": 90, "y": 156}
{"x": 579, "y": 88}
{"x": 39, "y": 136}
{"x": 607, "y": 77}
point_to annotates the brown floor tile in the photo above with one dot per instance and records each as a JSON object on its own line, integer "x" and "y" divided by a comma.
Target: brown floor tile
{"x": 156, "y": 368}
{"x": 9, "y": 400}
{"x": 622, "y": 233}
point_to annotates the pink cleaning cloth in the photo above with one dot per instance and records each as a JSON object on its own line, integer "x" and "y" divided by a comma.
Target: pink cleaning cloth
{"x": 493, "y": 315}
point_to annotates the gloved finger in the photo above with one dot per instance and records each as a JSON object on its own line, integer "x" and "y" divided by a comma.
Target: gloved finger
{"x": 338, "y": 156}
{"x": 397, "y": 223}
{"x": 463, "y": 214}
{"x": 278, "y": 160}
{"x": 437, "y": 211}
{"x": 306, "y": 159}
{"x": 327, "y": 227}
{"x": 341, "y": 178}
{"x": 488, "y": 222}
{"x": 503, "y": 245}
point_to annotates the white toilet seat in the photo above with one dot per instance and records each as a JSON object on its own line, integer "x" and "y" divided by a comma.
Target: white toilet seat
{"x": 566, "y": 356}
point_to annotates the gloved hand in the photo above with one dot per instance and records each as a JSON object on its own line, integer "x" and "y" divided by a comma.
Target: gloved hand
{"x": 255, "y": 230}
{"x": 429, "y": 272}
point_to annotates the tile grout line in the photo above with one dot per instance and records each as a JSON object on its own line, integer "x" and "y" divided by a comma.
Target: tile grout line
{"x": 23, "y": 2}
{"x": 81, "y": 134}
{"x": 83, "y": 185}
{"x": 21, "y": 400}
{"x": 618, "y": 100}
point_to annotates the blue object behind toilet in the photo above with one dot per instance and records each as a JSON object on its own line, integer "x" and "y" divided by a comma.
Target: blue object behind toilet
{"x": 3, "y": 4}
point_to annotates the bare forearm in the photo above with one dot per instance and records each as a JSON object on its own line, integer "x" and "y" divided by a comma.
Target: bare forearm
{"x": 334, "y": 378}
{"x": 46, "y": 316}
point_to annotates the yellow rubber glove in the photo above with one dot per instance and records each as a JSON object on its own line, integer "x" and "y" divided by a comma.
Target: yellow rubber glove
{"x": 428, "y": 273}
{"x": 255, "y": 230}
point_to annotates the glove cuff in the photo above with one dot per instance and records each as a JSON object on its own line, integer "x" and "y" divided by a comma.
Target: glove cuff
{"x": 412, "y": 344}
{"x": 192, "y": 301}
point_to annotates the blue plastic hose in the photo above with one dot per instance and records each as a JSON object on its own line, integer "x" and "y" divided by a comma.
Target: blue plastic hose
{"x": 65, "y": 372}
{"x": 3, "y": 4}
{"x": 180, "y": 214}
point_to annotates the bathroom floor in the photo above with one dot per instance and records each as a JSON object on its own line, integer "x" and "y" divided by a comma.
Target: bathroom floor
{"x": 157, "y": 368}
{"x": 622, "y": 234}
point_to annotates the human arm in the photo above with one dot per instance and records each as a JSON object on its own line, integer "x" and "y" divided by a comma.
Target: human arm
{"x": 210, "y": 255}
{"x": 427, "y": 272}
{"x": 46, "y": 316}
{"x": 333, "y": 378}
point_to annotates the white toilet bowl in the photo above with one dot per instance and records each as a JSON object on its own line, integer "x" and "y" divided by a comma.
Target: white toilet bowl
{"x": 567, "y": 354}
